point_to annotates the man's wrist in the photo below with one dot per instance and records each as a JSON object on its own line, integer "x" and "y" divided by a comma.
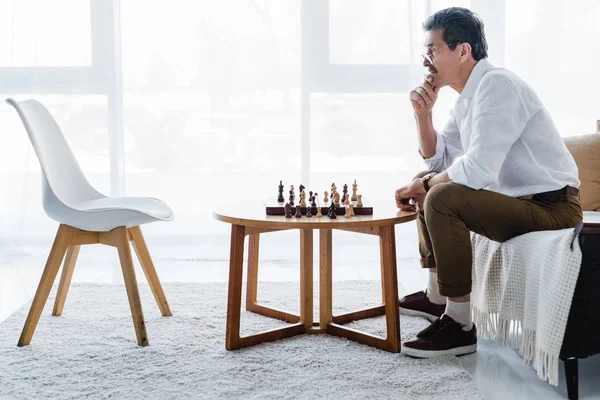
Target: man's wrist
{"x": 426, "y": 179}
{"x": 424, "y": 114}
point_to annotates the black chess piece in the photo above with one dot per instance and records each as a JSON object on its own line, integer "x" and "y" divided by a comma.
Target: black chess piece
{"x": 314, "y": 200}
{"x": 308, "y": 213}
{"x": 280, "y": 198}
{"x": 298, "y": 211}
{"x": 288, "y": 210}
{"x": 302, "y": 187}
{"x": 344, "y": 193}
{"x": 332, "y": 214}
{"x": 292, "y": 197}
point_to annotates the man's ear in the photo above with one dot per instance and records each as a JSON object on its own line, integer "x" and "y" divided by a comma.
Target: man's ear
{"x": 465, "y": 51}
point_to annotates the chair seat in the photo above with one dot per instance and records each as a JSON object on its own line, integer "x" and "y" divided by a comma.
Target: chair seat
{"x": 107, "y": 213}
{"x": 146, "y": 205}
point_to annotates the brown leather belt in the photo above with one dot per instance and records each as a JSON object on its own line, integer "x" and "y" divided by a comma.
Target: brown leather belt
{"x": 557, "y": 195}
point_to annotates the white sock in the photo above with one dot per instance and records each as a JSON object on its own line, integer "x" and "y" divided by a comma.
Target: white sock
{"x": 433, "y": 293}
{"x": 460, "y": 312}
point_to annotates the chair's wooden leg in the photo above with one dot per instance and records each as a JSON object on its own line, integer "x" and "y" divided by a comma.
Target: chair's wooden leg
{"x": 120, "y": 238}
{"x": 234, "y": 296}
{"x": 390, "y": 281}
{"x": 59, "y": 247}
{"x": 306, "y": 277}
{"x": 252, "y": 279}
{"x": 143, "y": 255}
{"x": 325, "y": 284}
{"x": 65, "y": 279}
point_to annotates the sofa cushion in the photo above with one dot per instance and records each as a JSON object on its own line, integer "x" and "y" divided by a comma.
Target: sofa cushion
{"x": 586, "y": 152}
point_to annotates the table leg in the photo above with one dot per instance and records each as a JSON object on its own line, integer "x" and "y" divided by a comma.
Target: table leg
{"x": 252, "y": 280}
{"x": 381, "y": 257}
{"x": 390, "y": 283}
{"x": 234, "y": 297}
{"x": 325, "y": 284}
{"x": 306, "y": 277}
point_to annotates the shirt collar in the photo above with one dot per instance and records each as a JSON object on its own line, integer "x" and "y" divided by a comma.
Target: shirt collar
{"x": 474, "y": 79}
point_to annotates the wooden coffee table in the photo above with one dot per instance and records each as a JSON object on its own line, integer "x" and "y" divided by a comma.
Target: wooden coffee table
{"x": 250, "y": 219}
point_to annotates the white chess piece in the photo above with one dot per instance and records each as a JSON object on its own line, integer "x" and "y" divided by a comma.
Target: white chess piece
{"x": 303, "y": 199}
{"x": 354, "y": 188}
{"x": 325, "y": 197}
{"x": 319, "y": 215}
{"x": 348, "y": 213}
{"x": 360, "y": 203}
{"x": 347, "y": 201}
{"x": 351, "y": 207}
{"x": 336, "y": 199}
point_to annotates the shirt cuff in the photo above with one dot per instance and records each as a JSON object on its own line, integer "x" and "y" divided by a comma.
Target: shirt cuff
{"x": 456, "y": 172}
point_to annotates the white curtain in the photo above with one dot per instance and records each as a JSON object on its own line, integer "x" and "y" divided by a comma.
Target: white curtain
{"x": 203, "y": 103}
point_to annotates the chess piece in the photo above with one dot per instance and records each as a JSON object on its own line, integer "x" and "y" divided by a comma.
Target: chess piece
{"x": 292, "y": 195}
{"x": 354, "y": 187}
{"x": 347, "y": 214}
{"x": 308, "y": 213}
{"x": 351, "y": 211}
{"x": 302, "y": 187}
{"x": 314, "y": 200}
{"x": 334, "y": 192}
{"x": 319, "y": 215}
{"x": 332, "y": 211}
{"x": 360, "y": 203}
{"x": 344, "y": 193}
{"x": 280, "y": 198}
{"x": 310, "y": 196}
{"x": 326, "y": 198}
{"x": 347, "y": 199}
{"x": 303, "y": 199}
{"x": 298, "y": 212}
{"x": 288, "y": 210}
{"x": 336, "y": 199}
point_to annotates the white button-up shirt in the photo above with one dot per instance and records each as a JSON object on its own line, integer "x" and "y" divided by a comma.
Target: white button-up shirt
{"x": 500, "y": 137}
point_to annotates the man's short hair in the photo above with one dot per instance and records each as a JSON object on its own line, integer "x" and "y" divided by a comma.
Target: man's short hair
{"x": 460, "y": 25}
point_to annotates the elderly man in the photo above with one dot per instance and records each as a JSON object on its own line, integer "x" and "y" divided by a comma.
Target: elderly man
{"x": 498, "y": 168}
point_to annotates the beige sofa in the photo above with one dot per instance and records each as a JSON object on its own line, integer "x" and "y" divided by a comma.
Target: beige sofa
{"x": 586, "y": 151}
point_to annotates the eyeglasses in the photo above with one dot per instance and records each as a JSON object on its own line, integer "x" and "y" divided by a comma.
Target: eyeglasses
{"x": 430, "y": 57}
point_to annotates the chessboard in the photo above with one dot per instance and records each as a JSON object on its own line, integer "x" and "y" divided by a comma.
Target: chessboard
{"x": 348, "y": 204}
{"x": 279, "y": 210}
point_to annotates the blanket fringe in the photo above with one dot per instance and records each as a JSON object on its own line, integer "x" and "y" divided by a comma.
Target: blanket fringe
{"x": 510, "y": 332}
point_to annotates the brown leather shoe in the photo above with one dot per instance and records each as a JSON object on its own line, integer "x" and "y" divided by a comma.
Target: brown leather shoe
{"x": 418, "y": 305}
{"x": 443, "y": 337}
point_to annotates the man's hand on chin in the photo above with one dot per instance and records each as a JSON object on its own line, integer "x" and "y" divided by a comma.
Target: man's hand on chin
{"x": 414, "y": 191}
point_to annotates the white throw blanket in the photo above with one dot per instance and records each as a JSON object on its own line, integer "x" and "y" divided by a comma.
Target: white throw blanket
{"x": 522, "y": 293}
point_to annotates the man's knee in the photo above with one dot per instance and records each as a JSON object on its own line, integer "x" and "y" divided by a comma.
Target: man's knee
{"x": 442, "y": 196}
{"x": 420, "y": 175}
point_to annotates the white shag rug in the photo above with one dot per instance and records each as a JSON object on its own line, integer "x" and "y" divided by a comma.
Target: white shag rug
{"x": 91, "y": 352}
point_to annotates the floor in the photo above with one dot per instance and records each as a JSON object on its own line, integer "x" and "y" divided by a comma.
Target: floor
{"x": 498, "y": 371}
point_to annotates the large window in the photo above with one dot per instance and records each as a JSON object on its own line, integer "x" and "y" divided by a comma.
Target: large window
{"x": 207, "y": 102}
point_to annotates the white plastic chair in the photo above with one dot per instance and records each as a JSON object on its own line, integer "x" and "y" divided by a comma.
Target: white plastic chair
{"x": 86, "y": 217}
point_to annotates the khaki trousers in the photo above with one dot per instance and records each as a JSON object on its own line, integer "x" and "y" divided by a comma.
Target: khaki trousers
{"x": 452, "y": 211}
